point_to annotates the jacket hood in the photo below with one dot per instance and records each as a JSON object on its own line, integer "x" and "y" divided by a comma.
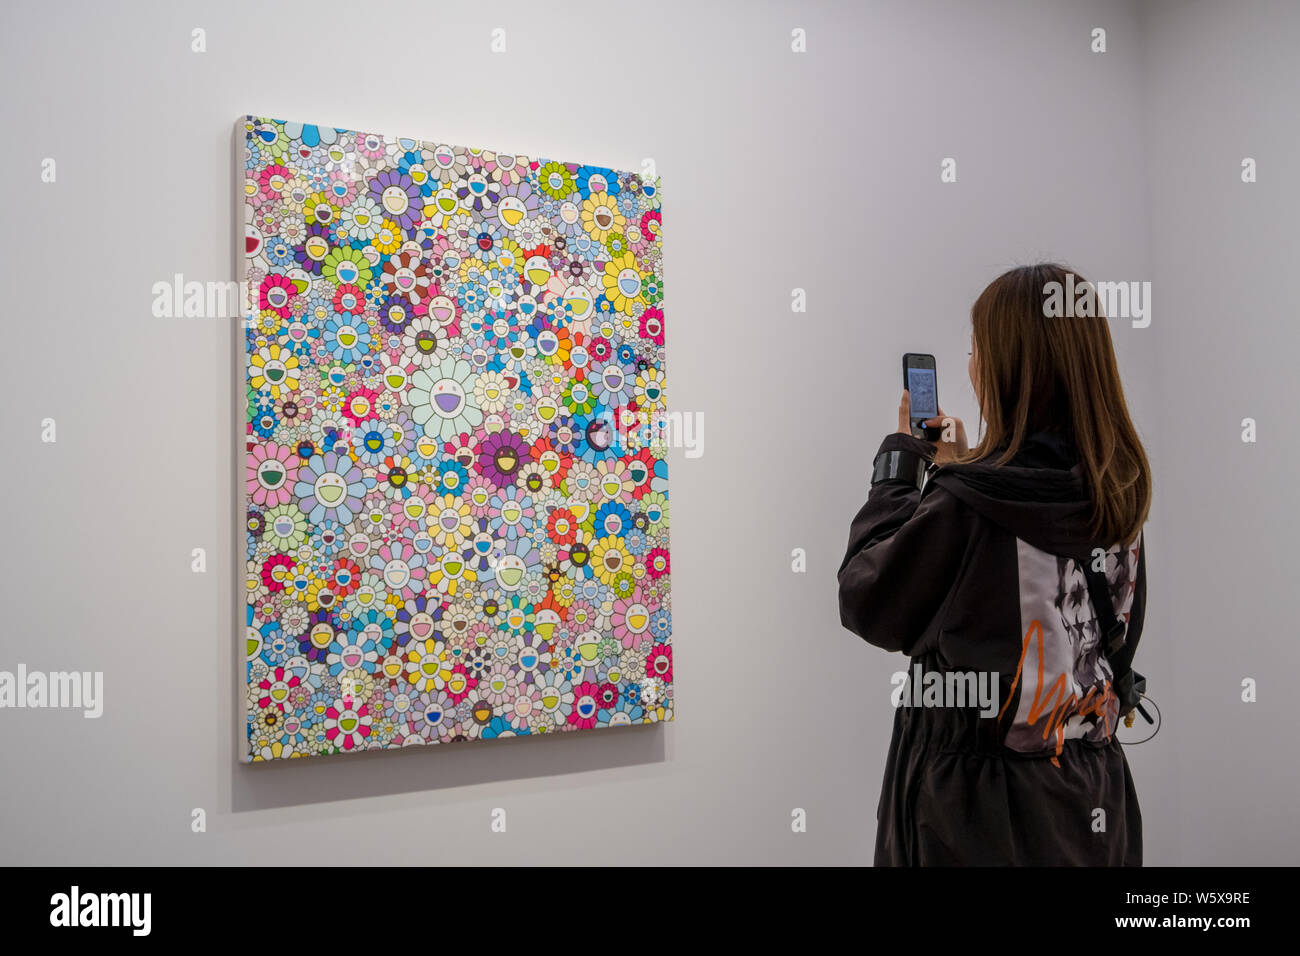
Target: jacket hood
{"x": 1039, "y": 496}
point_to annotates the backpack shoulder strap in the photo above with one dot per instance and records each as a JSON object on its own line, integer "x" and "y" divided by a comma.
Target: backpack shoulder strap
{"x": 1112, "y": 628}
{"x": 1129, "y": 684}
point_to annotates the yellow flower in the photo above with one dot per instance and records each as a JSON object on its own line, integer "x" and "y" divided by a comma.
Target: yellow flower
{"x": 600, "y": 216}
{"x": 275, "y": 368}
{"x": 609, "y": 558}
{"x": 331, "y": 398}
{"x": 427, "y": 665}
{"x": 650, "y": 388}
{"x": 623, "y": 282}
{"x": 448, "y": 573}
{"x": 269, "y": 322}
{"x": 320, "y": 209}
{"x": 510, "y": 255}
{"x": 563, "y": 594}
{"x": 471, "y": 270}
{"x": 449, "y": 521}
{"x": 389, "y": 239}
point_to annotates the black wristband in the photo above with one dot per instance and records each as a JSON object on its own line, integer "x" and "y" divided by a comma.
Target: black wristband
{"x": 899, "y": 465}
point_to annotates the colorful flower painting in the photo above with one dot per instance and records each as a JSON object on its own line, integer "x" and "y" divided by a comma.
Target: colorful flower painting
{"x": 456, "y": 492}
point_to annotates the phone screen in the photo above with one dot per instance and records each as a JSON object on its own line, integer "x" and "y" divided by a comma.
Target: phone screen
{"x": 924, "y": 395}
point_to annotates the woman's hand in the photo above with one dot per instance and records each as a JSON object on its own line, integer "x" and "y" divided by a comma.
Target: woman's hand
{"x": 905, "y": 414}
{"x": 952, "y": 438}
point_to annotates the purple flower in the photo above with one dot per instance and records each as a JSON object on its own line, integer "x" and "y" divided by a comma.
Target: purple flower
{"x": 501, "y": 456}
{"x": 399, "y": 197}
{"x": 314, "y": 248}
{"x": 331, "y": 486}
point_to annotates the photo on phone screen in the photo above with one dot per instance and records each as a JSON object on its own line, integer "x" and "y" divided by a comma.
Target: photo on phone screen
{"x": 923, "y": 391}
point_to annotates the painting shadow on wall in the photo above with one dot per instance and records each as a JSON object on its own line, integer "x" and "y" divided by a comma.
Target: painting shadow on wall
{"x": 273, "y": 784}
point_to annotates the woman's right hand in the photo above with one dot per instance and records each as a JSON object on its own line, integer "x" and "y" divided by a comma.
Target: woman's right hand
{"x": 952, "y": 437}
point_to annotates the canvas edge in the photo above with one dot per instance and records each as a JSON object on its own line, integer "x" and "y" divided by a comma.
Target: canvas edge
{"x": 239, "y": 349}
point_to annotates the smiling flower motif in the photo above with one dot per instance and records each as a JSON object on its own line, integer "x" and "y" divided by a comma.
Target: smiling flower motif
{"x": 346, "y": 267}
{"x": 402, "y": 568}
{"x": 331, "y": 486}
{"x": 347, "y": 338}
{"x": 501, "y": 457}
{"x": 399, "y": 197}
{"x": 277, "y": 294}
{"x": 442, "y": 398}
{"x": 348, "y": 723}
{"x": 586, "y": 702}
{"x": 428, "y": 665}
{"x": 276, "y": 687}
{"x": 274, "y": 369}
{"x": 272, "y": 470}
{"x": 631, "y": 619}
{"x": 622, "y": 282}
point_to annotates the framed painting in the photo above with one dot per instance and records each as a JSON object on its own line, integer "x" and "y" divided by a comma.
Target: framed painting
{"x": 456, "y": 486}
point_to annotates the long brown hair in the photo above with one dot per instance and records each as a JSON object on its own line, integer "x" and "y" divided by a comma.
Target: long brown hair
{"x": 1035, "y": 372}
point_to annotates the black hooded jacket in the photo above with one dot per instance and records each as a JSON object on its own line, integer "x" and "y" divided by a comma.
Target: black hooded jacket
{"x": 982, "y": 573}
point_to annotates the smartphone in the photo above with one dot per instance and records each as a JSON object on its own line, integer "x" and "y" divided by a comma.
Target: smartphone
{"x": 922, "y": 383}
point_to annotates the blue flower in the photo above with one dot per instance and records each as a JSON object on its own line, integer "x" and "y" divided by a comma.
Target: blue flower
{"x": 357, "y": 345}
{"x": 327, "y": 538}
{"x": 311, "y": 135}
{"x": 264, "y": 422}
{"x": 635, "y": 541}
{"x": 278, "y": 251}
{"x": 500, "y": 727}
{"x": 611, "y": 518}
{"x": 452, "y": 476}
{"x": 661, "y": 624}
{"x": 583, "y": 178}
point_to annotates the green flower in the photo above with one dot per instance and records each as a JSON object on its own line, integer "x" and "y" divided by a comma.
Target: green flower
{"x": 555, "y": 180}
{"x": 578, "y": 398}
{"x": 652, "y": 289}
{"x": 347, "y": 266}
{"x": 624, "y": 584}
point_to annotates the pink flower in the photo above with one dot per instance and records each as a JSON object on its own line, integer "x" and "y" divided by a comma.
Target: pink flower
{"x": 276, "y": 293}
{"x": 652, "y": 325}
{"x": 346, "y": 724}
{"x": 273, "y": 180}
{"x": 272, "y": 471}
{"x": 659, "y": 663}
{"x": 631, "y": 618}
{"x": 657, "y": 563}
{"x": 586, "y": 705}
{"x": 402, "y": 567}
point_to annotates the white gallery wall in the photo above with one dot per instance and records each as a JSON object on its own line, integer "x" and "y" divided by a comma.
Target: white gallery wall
{"x": 1221, "y": 82}
{"x": 816, "y": 171}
